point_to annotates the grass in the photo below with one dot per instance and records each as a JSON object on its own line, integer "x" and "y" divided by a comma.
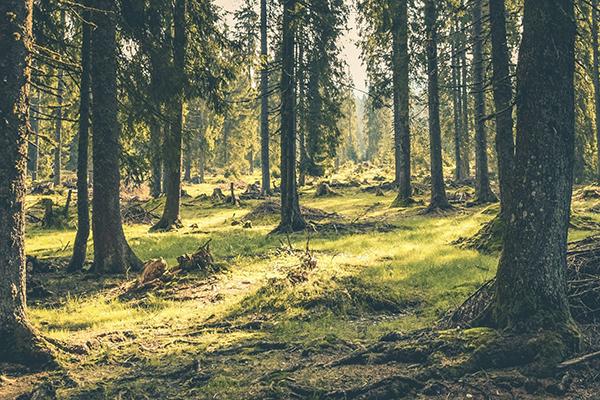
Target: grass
{"x": 364, "y": 286}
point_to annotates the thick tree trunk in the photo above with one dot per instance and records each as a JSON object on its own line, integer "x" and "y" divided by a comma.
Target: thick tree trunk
{"x": 291, "y": 218}
{"x": 83, "y": 204}
{"x": 264, "y": 101}
{"x": 531, "y": 283}
{"x": 438, "y": 189}
{"x": 596, "y": 77}
{"x": 502, "y": 84}
{"x": 400, "y": 69}
{"x": 174, "y": 140}
{"x": 112, "y": 253}
{"x": 483, "y": 191}
{"x": 18, "y": 340}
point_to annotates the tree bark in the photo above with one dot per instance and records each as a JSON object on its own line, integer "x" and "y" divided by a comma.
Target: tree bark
{"x": 112, "y": 253}
{"x": 466, "y": 121}
{"x": 19, "y": 341}
{"x": 34, "y": 149}
{"x": 156, "y": 187}
{"x": 596, "y": 78}
{"x": 174, "y": 139}
{"x": 400, "y": 69}
{"x": 456, "y": 105}
{"x": 187, "y": 176}
{"x": 531, "y": 283}
{"x": 83, "y": 204}
{"x": 502, "y": 86}
{"x": 201, "y": 164}
{"x": 439, "y": 199}
{"x": 291, "y": 217}
{"x": 483, "y": 191}
{"x": 264, "y": 101}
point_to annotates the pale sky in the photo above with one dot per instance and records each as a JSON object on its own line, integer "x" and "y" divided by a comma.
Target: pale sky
{"x": 351, "y": 52}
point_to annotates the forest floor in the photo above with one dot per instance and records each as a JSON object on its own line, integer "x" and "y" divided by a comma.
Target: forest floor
{"x": 354, "y": 321}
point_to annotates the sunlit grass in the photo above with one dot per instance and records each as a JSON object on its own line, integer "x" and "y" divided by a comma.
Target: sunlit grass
{"x": 365, "y": 285}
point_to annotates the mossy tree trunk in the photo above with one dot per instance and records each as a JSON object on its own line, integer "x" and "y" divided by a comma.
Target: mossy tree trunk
{"x": 112, "y": 253}
{"x": 400, "y": 73}
{"x": 483, "y": 191}
{"x": 174, "y": 138}
{"x": 83, "y": 202}
{"x": 291, "y": 217}
{"x": 18, "y": 340}
{"x": 531, "y": 283}
{"x": 439, "y": 199}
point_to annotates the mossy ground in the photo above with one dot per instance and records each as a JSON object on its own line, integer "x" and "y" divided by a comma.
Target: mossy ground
{"x": 250, "y": 332}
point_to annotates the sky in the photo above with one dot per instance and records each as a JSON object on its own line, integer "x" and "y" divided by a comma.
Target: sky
{"x": 351, "y": 52}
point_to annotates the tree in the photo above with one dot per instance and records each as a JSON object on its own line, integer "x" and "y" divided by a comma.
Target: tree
{"x": 400, "y": 66}
{"x": 58, "y": 134}
{"x": 112, "y": 253}
{"x": 502, "y": 87}
{"x": 596, "y": 78}
{"x": 531, "y": 284}
{"x": 19, "y": 341}
{"x": 291, "y": 217}
{"x": 483, "y": 191}
{"x": 83, "y": 208}
{"x": 173, "y": 140}
{"x": 439, "y": 201}
{"x": 459, "y": 174}
{"x": 264, "y": 101}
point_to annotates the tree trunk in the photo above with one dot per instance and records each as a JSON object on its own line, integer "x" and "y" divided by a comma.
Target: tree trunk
{"x": 502, "y": 85}
{"x": 456, "y": 105}
{"x": 34, "y": 149}
{"x": 173, "y": 141}
{"x": 466, "y": 121}
{"x": 187, "y": 176}
{"x": 264, "y": 102}
{"x": 251, "y": 162}
{"x": 112, "y": 253}
{"x": 596, "y": 78}
{"x": 302, "y": 110}
{"x": 400, "y": 69}
{"x": 19, "y": 341}
{"x": 156, "y": 187}
{"x": 531, "y": 283}
{"x": 483, "y": 191}
{"x": 438, "y": 189}
{"x": 291, "y": 218}
{"x": 201, "y": 164}
{"x": 83, "y": 207}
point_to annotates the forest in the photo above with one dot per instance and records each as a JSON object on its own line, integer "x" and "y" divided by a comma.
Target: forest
{"x": 299, "y": 199}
